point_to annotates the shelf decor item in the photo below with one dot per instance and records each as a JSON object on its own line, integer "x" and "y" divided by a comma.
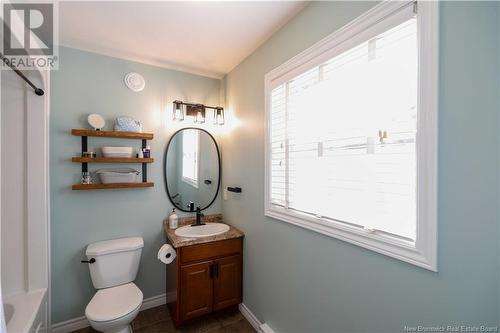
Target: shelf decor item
{"x": 86, "y": 178}
{"x": 96, "y": 121}
{"x": 111, "y": 176}
{"x": 127, "y": 124}
{"x": 89, "y": 154}
{"x": 117, "y": 151}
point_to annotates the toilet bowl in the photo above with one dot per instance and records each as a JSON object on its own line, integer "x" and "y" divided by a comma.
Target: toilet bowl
{"x": 113, "y": 266}
{"x": 111, "y": 310}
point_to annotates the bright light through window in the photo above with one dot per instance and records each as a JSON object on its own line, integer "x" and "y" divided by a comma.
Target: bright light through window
{"x": 190, "y": 156}
{"x": 343, "y": 136}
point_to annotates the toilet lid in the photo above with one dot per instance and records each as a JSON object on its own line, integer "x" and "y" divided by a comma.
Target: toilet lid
{"x": 115, "y": 302}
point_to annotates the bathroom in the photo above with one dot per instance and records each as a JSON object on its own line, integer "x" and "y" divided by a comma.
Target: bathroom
{"x": 204, "y": 166}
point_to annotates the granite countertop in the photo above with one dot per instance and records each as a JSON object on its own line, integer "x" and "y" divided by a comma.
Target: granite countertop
{"x": 178, "y": 241}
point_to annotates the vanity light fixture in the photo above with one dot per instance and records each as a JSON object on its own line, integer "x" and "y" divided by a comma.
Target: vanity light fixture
{"x": 197, "y": 111}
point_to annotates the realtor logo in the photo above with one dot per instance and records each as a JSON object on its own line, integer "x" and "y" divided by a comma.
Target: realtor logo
{"x": 28, "y": 28}
{"x": 29, "y": 34}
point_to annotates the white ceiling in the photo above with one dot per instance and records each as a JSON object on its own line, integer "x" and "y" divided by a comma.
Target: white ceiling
{"x": 207, "y": 38}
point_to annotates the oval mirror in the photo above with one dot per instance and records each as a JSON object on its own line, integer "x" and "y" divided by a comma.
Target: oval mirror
{"x": 192, "y": 169}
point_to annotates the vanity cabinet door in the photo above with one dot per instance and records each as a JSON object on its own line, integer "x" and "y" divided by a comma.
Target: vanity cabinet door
{"x": 227, "y": 282}
{"x": 196, "y": 290}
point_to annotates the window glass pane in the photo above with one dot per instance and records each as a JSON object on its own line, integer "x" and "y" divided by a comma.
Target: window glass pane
{"x": 190, "y": 146}
{"x": 343, "y": 136}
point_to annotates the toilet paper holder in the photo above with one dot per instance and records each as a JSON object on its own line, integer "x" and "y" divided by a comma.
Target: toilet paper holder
{"x": 166, "y": 254}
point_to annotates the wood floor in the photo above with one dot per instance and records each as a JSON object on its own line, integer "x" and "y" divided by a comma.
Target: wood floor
{"x": 157, "y": 320}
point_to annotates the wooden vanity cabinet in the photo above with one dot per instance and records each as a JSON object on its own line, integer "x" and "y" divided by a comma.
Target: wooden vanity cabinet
{"x": 227, "y": 282}
{"x": 196, "y": 292}
{"x": 208, "y": 278}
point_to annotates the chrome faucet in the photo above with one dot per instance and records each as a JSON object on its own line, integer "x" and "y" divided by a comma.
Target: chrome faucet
{"x": 199, "y": 215}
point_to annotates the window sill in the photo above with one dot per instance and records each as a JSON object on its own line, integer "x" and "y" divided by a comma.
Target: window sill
{"x": 190, "y": 182}
{"x": 393, "y": 247}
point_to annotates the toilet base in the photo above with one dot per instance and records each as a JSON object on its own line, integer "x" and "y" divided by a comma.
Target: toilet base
{"x": 126, "y": 329}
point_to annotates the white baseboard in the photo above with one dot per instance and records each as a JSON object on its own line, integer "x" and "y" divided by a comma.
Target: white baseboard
{"x": 70, "y": 325}
{"x": 153, "y": 302}
{"x": 82, "y": 322}
{"x": 253, "y": 320}
{"x": 264, "y": 328}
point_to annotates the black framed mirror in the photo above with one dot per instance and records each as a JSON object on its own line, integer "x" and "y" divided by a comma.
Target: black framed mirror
{"x": 191, "y": 169}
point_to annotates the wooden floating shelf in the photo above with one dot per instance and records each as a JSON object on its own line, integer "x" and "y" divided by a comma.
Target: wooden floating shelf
{"x": 112, "y": 134}
{"x": 84, "y": 134}
{"x": 111, "y": 186}
{"x": 111, "y": 160}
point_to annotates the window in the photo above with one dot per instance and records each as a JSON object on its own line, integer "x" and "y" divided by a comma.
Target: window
{"x": 351, "y": 134}
{"x": 190, "y": 156}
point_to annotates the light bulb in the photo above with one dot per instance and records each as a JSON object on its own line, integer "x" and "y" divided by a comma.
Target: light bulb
{"x": 219, "y": 116}
{"x": 200, "y": 115}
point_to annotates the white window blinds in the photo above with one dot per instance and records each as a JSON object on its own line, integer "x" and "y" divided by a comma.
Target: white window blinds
{"x": 343, "y": 136}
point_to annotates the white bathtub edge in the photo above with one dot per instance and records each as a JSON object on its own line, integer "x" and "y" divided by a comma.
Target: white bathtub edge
{"x": 27, "y": 307}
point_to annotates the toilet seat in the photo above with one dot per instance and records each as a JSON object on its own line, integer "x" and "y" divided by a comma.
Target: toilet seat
{"x": 113, "y": 303}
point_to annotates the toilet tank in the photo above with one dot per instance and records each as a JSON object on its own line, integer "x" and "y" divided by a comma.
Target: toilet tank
{"x": 116, "y": 261}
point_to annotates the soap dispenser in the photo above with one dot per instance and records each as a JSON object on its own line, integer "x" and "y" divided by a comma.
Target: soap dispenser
{"x": 173, "y": 220}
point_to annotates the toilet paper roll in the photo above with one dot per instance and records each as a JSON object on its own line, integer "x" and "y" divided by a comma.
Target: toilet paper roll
{"x": 166, "y": 254}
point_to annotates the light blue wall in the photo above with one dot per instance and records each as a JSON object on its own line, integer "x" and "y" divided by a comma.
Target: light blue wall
{"x": 301, "y": 281}
{"x": 90, "y": 83}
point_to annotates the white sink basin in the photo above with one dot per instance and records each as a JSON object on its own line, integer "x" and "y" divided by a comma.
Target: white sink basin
{"x": 209, "y": 229}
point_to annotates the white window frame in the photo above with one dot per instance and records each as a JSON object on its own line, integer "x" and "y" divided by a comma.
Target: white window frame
{"x": 193, "y": 182}
{"x": 423, "y": 252}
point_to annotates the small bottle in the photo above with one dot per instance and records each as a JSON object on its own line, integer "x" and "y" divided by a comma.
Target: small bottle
{"x": 147, "y": 152}
{"x": 173, "y": 220}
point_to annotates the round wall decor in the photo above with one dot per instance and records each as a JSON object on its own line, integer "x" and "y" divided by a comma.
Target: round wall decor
{"x": 135, "y": 81}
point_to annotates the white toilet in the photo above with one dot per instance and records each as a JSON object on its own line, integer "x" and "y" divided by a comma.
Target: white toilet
{"x": 113, "y": 266}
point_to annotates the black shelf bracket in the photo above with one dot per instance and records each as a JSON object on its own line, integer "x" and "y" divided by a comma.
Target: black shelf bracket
{"x": 144, "y": 165}
{"x": 85, "y": 166}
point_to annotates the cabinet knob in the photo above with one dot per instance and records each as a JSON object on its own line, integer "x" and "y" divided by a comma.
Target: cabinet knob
{"x": 214, "y": 270}
{"x": 216, "y": 267}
